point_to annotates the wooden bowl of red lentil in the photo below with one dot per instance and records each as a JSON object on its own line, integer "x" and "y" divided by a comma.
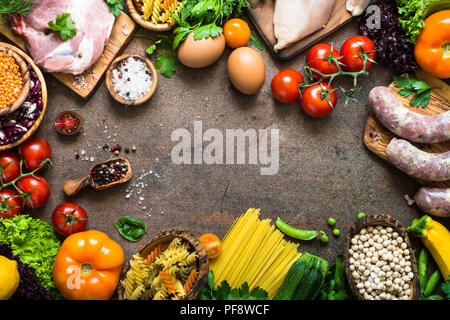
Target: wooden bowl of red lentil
{"x": 14, "y": 80}
{"x": 131, "y": 81}
{"x": 43, "y": 85}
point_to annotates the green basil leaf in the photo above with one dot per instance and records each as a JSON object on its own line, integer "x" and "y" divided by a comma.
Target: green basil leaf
{"x": 130, "y": 228}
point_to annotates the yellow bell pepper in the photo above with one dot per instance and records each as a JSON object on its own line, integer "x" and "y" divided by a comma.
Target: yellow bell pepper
{"x": 437, "y": 240}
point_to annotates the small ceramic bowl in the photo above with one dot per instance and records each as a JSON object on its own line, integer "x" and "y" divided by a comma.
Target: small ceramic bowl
{"x": 110, "y": 83}
{"x": 144, "y": 23}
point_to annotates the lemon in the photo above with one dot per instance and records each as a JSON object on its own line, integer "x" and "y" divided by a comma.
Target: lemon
{"x": 9, "y": 278}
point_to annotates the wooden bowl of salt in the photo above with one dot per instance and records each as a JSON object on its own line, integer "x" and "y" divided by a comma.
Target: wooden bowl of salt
{"x": 131, "y": 79}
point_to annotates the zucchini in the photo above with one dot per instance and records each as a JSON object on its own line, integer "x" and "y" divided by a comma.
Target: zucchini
{"x": 304, "y": 279}
{"x": 291, "y": 281}
{"x": 304, "y": 287}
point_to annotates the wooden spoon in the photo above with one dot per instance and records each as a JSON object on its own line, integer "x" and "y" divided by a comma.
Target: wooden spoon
{"x": 72, "y": 187}
{"x": 387, "y": 221}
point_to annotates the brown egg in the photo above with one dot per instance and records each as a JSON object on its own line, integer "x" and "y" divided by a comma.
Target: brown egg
{"x": 246, "y": 70}
{"x": 201, "y": 53}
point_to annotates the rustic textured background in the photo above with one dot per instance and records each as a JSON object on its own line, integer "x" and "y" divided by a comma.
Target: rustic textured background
{"x": 325, "y": 170}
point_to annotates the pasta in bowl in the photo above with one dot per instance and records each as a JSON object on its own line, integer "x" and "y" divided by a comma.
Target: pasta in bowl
{"x": 155, "y": 15}
{"x": 172, "y": 266}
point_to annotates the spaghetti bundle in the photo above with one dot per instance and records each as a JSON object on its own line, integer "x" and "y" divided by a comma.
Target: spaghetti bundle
{"x": 255, "y": 252}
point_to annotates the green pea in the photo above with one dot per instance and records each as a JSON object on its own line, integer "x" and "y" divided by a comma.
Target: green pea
{"x": 331, "y": 222}
{"x": 360, "y": 215}
{"x": 422, "y": 267}
{"x": 336, "y": 232}
{"x": 323, "y": 237}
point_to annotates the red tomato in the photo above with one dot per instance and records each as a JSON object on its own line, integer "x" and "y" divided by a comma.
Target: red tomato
{"x": 285, "y": 85}
{"x": 314, "y": 104}
{"x": 69, "y": 218}
{"x": 212, "y": 244}
{"x": 351, "y": 48}
{"x": 38, "y": 188}
{"x": 237, "y": 33}
{"x": 321, "y": 65}
{"x": 10, "y": 203}
{"x": 34, "y": 151}
{"x": 11, "y": 165}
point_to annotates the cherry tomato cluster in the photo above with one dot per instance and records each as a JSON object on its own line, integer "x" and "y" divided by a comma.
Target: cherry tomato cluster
{"x": 21, "y": 189}
{"x": 323, "y": 64}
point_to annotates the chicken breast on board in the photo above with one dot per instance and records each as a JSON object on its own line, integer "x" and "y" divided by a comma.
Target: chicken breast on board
{"x": 293, "y": 20}
{"x": 93, "y": 22}
{"x": 356, "y": 7}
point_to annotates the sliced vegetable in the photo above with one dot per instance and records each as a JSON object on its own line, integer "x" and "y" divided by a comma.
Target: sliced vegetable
{"x": 212, "y": 244}
{"x": 432, "y": 50}
{"x": 130, "y": 228}
{"x": 437, "y": 240}
{"x": 88, "y": 266}
{"x": 296, "y": 233}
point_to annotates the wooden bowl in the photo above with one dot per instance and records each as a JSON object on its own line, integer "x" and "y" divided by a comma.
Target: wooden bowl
{"x": 110, "y": 84}
{"x": 72, "y": 187}
{"x": 144, "y": 23}
{"x": 388, "y": 221}
{"x": 166, "y": 237}
{"x": 26, "y": 82}
{"x": 41, "y": 78}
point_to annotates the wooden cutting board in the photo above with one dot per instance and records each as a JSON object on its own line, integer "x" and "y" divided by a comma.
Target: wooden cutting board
{"x": 260, "y": 14}
{"x": 85, "y": 84}
{"x": 377, "y": 137}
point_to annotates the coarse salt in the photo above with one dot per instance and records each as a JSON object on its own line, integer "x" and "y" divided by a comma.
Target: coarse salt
{"x": 132, "y": 79}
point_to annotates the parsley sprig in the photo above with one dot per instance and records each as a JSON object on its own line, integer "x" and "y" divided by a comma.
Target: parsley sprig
{"x": 225, "y": 292}
{"x": 64, "y": 25}
{"x": 114, "y": 7}
{"x": 412, "y": 85}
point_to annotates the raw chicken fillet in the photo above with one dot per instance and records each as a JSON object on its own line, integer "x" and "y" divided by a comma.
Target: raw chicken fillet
{"x": 293, "y": 20}
{"x": 93, "y": 22}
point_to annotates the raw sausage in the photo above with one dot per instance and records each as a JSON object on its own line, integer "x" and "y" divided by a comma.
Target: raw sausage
{"x": 405, "y": 123}
{"x": 435, "y": 201}
{"x": 417, "y": 163}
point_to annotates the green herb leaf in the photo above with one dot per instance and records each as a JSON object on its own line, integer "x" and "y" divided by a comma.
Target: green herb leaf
{"x": 210, "y": 30}
{"x": 13, "y": 7}
{"x": 445, "y": 287}
{"x": 130, "y": 228}
{"x": 254, "y": 40}
{"x": 64, "y": 25}
{"x": 114, "y": 6}
{"x": 167, "y": 63}
{"x": 412, "y": 85}
{"x": 162, "y": 41}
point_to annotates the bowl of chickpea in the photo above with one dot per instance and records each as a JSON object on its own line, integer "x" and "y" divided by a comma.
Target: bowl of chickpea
{"x": 14, "y": 80}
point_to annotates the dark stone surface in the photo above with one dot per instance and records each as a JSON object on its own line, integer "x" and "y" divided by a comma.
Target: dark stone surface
{"x": 325, "y": 170}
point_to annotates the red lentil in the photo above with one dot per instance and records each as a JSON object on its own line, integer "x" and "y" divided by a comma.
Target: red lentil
{"x": 10, "y": 80}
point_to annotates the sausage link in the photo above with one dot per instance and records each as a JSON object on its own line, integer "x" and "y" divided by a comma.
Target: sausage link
{"x": 417, "y": 163}
{"x": 435, "y": 201}
{"x": 405, "y": 123}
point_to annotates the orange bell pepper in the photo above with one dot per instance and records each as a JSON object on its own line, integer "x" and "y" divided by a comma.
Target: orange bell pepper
{"x": 432, "y": 49}
{"x": 88, "y": 266}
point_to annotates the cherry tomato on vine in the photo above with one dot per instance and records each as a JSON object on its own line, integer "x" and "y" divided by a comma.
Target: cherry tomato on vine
{"x": 351, "y": 48}
{"x": 10, "y": 203}
{"x": 237, "y": 33}
{"x": 212, "y": 244}
{"x": 39, "y": 188}
{"x": 319, "y": 100}
{"x": 323, "y": 66}
{"x": 69, "y": 218}
{"x": 34, "y": 151}
{"x": 11, "y": 163}
{"x": 285, "y": 85}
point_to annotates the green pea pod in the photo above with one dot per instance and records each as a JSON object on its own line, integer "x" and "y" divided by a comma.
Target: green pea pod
{"x": 431, "y": 284}
{"x": 435, "y": 297}
{"x": 296, "y": 233}
{"x": 422, "y": 267}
